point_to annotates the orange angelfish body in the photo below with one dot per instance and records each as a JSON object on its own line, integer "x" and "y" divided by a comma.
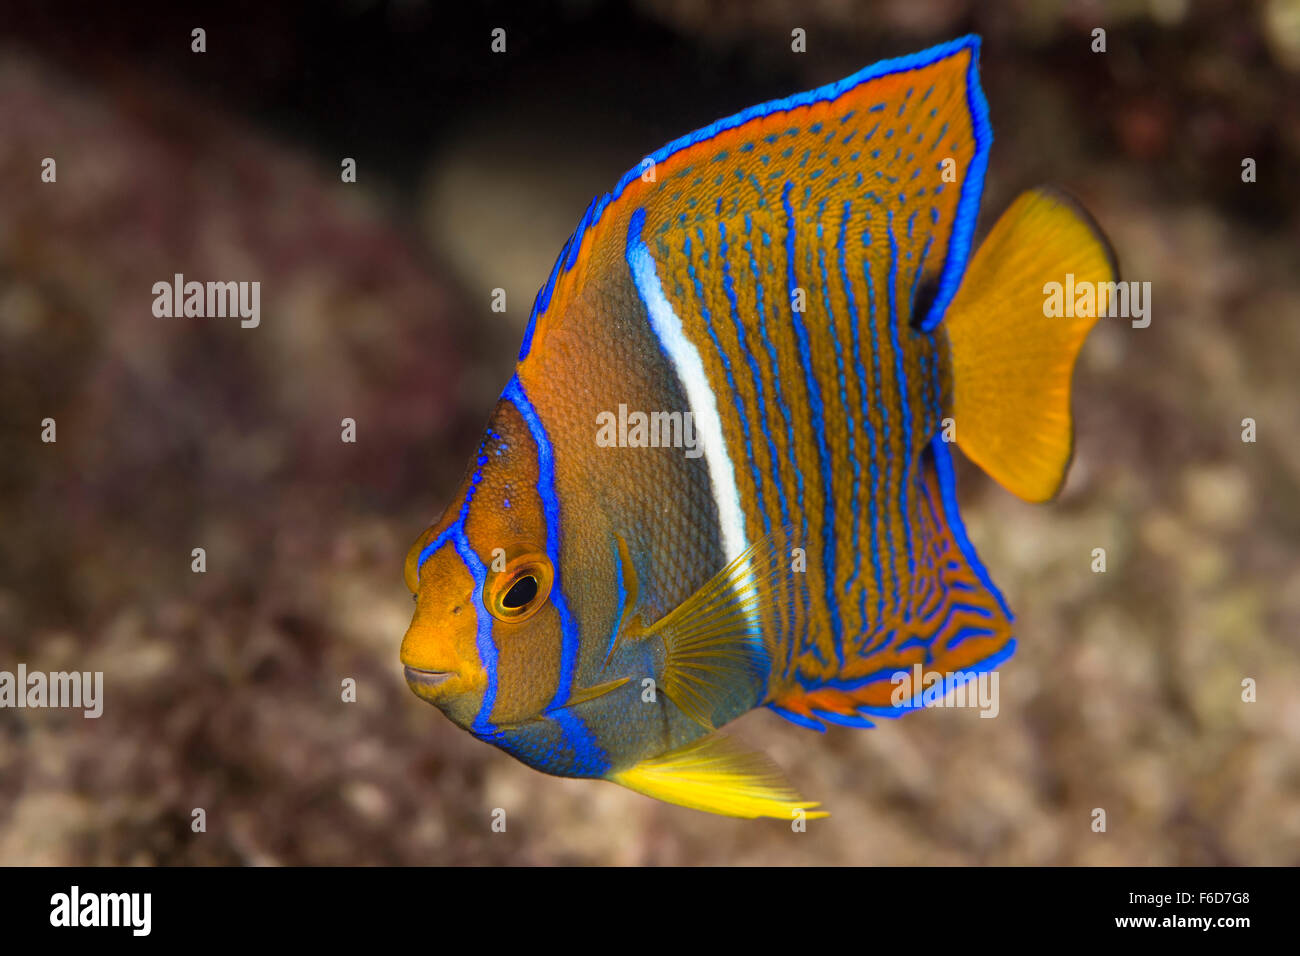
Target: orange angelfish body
{"x": 720, "y": 476}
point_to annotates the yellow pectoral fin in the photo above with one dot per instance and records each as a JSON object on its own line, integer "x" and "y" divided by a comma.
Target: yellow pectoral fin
{"x": 714, "y": 639}
{"x": 718, "y": 775}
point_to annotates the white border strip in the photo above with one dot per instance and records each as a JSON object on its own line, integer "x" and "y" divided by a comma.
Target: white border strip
{"x": 690, "y": 372}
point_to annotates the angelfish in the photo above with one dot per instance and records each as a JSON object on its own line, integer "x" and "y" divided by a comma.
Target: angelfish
{"x": 799, "y": 279}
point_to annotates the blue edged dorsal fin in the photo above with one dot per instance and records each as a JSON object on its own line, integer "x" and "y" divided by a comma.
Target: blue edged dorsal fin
{"x": 908, "y": 137}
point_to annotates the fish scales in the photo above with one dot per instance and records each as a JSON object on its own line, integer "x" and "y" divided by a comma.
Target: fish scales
{"x": 796, "y": 284}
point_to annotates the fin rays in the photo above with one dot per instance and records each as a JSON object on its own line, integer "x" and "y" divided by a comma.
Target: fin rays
{"x": 717, "y": 659}
{"x": 716, "y": 774}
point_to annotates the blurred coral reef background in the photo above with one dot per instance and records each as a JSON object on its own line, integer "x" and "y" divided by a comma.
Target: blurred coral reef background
{"x": 222, "y": 690}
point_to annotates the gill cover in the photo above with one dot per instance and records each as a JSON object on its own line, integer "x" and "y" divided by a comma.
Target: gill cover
{"x": 484, "y": 585}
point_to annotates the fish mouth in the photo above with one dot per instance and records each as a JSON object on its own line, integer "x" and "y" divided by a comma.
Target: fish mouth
{"x": 426, "y": 684}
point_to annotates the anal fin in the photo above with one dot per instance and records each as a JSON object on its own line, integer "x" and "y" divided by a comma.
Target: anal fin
{"x": 956, "y": 627}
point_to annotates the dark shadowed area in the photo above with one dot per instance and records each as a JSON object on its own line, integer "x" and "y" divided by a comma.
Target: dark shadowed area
{"x": 223, "y": 689}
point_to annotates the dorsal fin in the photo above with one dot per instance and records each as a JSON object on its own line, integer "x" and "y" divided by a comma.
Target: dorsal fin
{"x": 909, "y": 135}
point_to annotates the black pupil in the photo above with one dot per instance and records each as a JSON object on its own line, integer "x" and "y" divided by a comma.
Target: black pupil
{"x": 521, "y": 592}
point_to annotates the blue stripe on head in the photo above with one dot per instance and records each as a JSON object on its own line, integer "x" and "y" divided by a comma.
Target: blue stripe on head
{"x": 588, "y": 753}
{"x": 487, "y": 649}
{"x": 514, "y": 393}
{"x": 480, "y": 460}
{"x": 428, "y": 550}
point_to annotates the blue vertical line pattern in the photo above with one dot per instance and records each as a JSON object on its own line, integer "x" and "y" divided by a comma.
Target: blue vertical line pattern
{"x": 779, "y": 372}
{"x": 873, "y": 454}
{"x": 725, "y": 360}
{"x": 760, "y": 399}
{"x": 575, "y": 732}
{"x": 487, "y": 650}
{"x": 972, "y": 187}
{"x": 900, "y": 372}
{"x": 775, "y": 369}
{"x": 880, "y": 496}
{"x": 830, "y": 566}
{"x": 855, "y": 505}
{"x": 929, "y": 398}
{"x": 454, "y": 534}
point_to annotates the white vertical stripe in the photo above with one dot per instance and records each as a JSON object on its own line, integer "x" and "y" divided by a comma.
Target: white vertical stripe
{"x": 699, "y": 395}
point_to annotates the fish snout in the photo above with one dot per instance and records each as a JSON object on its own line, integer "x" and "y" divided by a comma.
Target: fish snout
{"x": 430, "y": 666}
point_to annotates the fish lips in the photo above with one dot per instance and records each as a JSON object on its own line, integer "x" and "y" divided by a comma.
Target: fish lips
{"x": 427, "y": 685}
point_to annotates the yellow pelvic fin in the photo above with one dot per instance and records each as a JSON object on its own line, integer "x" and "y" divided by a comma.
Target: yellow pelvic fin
{"x": 1012, "y": 361}
{"x": 715, "y": 653}
{"x": 717, "y": 774}
{"x": 584, "y": 694}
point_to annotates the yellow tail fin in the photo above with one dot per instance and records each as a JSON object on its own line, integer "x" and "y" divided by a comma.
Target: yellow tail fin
{"x": 1012, "y": 360}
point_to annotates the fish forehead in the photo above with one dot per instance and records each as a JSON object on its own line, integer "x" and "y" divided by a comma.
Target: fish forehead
{"x": 498, "y": 512}
{"x": 447, "y": 631}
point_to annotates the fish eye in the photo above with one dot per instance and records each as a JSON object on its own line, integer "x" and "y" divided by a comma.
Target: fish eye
{"x": 517, "y": 593}
{"x": 521, "y": 592}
